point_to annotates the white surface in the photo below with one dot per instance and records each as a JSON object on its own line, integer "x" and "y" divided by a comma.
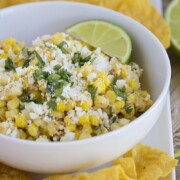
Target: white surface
{"x": 49, "y": 18}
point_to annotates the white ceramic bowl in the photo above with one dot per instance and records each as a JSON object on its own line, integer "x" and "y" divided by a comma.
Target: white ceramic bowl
{"x": 25, "y": 23}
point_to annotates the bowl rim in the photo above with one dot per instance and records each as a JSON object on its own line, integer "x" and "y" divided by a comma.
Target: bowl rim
{"x": 111, "y": 133}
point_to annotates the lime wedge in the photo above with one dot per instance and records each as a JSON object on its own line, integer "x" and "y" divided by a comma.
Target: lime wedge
{"x": 172, "y": 16}
{"x": 111, "y": 38}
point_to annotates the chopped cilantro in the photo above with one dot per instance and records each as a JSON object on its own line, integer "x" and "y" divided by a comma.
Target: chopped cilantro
{"x": 26, "y": 63}
{"x": 25, "y": 97}
{"x": 25, "y": 52}
{"x": 39, "y": 74}
{"x": 92, "y": 90}
{"x": 9, "y": 64}
{"x": 114, "y": 118}
{"x": 129, "y": 109}
{"x": 64, "y": 74}
{"x": 58, "y": 92}
{"x": 97, "y": 127}
{"x": 41, "y": 63}
{"x": 120, "y": 93}
{"x": 115, "y": 79}
{"x": 52, "y": 104}
{"x": 77, "y": 57}
{"x": 110, "y": 111}
{"x": 53, "y": 78}
{"x": 61, "y": 46}
{"x": 57, "y": 67}
{"x": 50, "y": 88}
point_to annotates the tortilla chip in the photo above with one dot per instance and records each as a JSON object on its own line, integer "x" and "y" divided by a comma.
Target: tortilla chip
{"x": 144, "y": 12}
{"x": 8, "y": 173}
{"x": 151, "y": 163}
{"x": 112, "y": 173}
{"x": 128, "y": 166}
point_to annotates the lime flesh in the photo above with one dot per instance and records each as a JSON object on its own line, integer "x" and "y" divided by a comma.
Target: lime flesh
{"x": 111, "y": 38}
{"x": 172, "y": 16}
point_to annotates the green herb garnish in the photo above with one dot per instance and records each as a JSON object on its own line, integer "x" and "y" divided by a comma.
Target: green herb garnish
{"x": 9, "y": 64}
{"x": 26, "y": 63}
{"x": 25, "y": 52}
{"x": 114, "y": 118}
{"x": 52, "y": 104}
{"x": 78, "y": 59}
{"x": 121, "y": 93}
{"x": 61, "y": 46}
{"x": 115, "y": 79}
{"x": 92, "y": 90}
{"x": 110, "y": 111}
{"x": 41, "y": 63}
{"x": 39, "y": 74}
{"x": 64, "y": 74}
{"x": 25, "y": 97}
{"x": 97, "y": 127}
{"x": 52, "y": 78}
{"x": 57, "y": 67}
{"x": 129, "y": 109}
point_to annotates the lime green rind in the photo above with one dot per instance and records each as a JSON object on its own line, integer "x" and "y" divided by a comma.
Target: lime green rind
{"x": 172, "y": 16}
{"x": 103, "y": 39}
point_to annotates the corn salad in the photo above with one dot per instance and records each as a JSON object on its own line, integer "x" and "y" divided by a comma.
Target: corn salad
{"x": 61, "y": 89}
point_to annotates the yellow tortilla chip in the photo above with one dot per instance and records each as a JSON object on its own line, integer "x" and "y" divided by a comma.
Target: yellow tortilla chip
{"x": 8, "y": 173}
{"x": 144, "y": 12}
{"x": 111, "y": 173}
{"x": 151, "y": 163}
{"x": 128, "y": 166}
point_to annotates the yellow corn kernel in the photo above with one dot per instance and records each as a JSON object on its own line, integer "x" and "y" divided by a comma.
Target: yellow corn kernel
{"x": 61, "y": 106}
{"x": 86, "y": 69}
{"x": 111, "y": 95}
{"x": 30, "y": 70}
{"x": 88, "y": 128}
{"x": 119, "y": 105}
{"x": 57, "y": 38}
{"x": 25, "y": 81}
{"x": 135, "y": 85}
{"x": 33, "y": 130}
{"x": 84, "y": 135}
{"x": 34, "y": 61}
{"x": 17, "y": 49}
{"x": 22, "y": 134}
{"x": 3, "y": 56}
{"x": 78, "y": 69}
{"x": 67, "y": 120}
{"x": 2, "y": 113}
{"x": 131, "y": 98}
{"x": 94, "y": 120}
{"x": 104, "y": 130}
{"x": 102, "y": 75}
{"x": 13, "y": 104}
{"x": 128, "y": 111}
{"x": 16, "y": 76}
{"x": 40, "y": 123}
{"x": 144, "y": 93}
{"x": 3, "y": 79}
{"x": 11, "y": 114}
{"x": 57, "y": 114}
{"x": 71, "y": 127}
{"x": 10, "y": 41}
{"x": 107, "y": 82}
{"x": 86, "y": 105}
{"x": 125, "y": 70}
{"x": 70, "y": 105}
{"x": 37, "y": 94}
{"x": 2, "y": 103}
{"x": 77, "y": 134}
{"x": 84, "y": 119}
{"x": 100, "y": 85}
{"x": 101, "y": 102}
{"x": 21, "y": 121}
{"x": 117, "y": 71}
